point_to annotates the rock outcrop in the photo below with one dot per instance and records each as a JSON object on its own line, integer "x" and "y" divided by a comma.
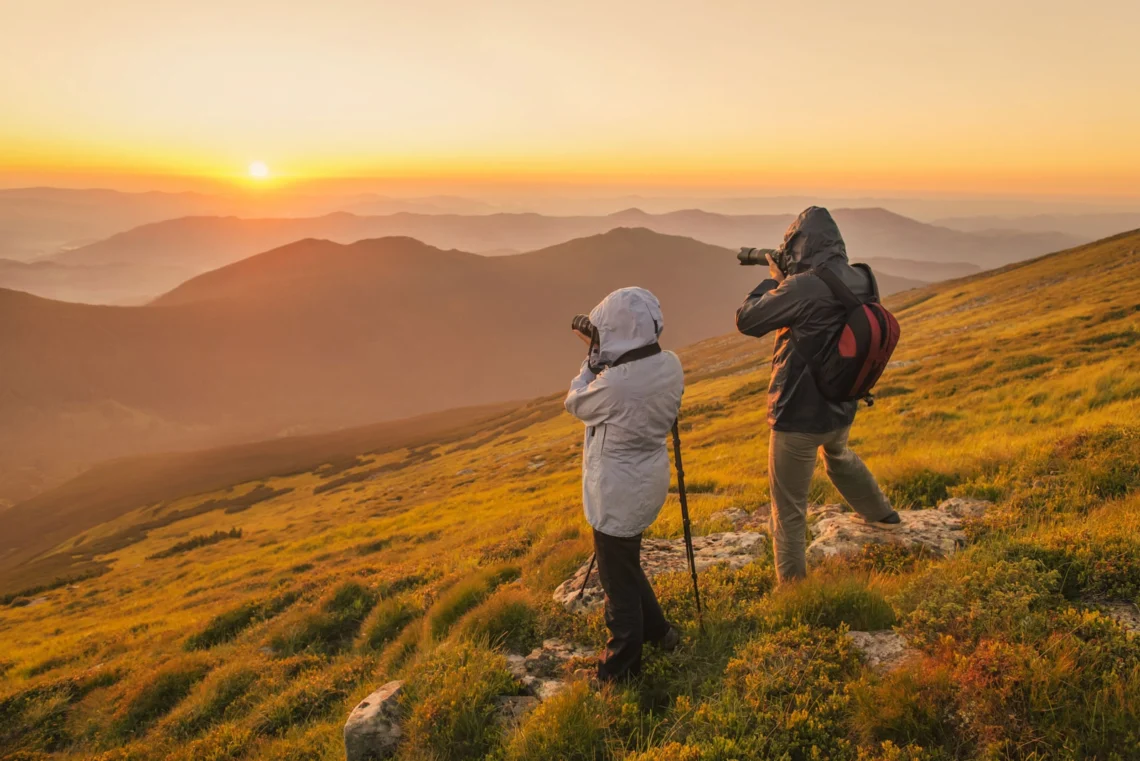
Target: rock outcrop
{"x": 884, "y": 650}
{"x": 940, "y": 531}
{"x": 372, "y": 732}
{"x": 733, "y": 549}
{"x": 544, "y": 671}
{"x": 373, "y": 728}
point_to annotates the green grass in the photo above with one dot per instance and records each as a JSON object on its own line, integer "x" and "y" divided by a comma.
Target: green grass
{"x": 332, "y": 626}
{"x": 427, "y": 563}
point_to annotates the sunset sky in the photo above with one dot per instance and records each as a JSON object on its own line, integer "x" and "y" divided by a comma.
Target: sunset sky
{"x": 971, "y": 97}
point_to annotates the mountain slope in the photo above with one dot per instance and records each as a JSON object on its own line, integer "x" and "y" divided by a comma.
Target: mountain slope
{"x": 317, "y": 335}
{"x": 186, "y": 247}
{"x": 1020, "y": 386}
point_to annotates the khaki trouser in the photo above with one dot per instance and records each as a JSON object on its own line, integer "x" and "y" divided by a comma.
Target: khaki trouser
{"x": 791, "y": 462}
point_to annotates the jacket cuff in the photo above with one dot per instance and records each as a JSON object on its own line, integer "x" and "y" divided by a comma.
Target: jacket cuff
{"x": 764, "y": 287}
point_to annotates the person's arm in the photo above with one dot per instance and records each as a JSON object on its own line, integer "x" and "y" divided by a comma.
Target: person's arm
{"x": 591, "y": 397}
{"x": 770, "y": 306}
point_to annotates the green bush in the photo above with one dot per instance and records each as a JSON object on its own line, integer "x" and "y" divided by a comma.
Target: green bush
{"x": 915, "y": 705}
{"x": 925, "y": 488}
{"x": 832, "y": 601}
{"x": 225, "y": 694}
{"x": 508, "y": 619}
{"x": 970, "y": 599}
{"x": 228, "y": 625}
{"x": 784, "y": 696}
{"x": 571, "y": 726}
{"x": 449, "y": 699}
{"x": 36, "y": 717}
{"x": 333, "y": 626}
{"x": 387, "y": 621}
{"x": 151, "y": 699}
{"x": 465, "y": 595}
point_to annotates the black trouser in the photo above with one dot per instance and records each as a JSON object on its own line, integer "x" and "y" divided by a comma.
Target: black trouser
{"x": 633, "y": 615}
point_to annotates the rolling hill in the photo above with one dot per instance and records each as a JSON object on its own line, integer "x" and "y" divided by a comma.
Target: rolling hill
{"x": 245, "y": 622}
{"x": 318, "y": 335}
{"x": 179, "y": 249}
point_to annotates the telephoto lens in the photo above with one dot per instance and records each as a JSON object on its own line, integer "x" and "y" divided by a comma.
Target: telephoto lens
{"x": 582, "y": 324}
{"x": 751, "y": 256}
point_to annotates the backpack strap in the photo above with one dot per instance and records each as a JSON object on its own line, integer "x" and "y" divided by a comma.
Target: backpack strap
{"x": 870, "y": 276}
{"x": 838, "y": 288}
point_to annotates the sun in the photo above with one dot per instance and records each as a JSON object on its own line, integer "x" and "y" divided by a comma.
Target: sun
{"x": 258, "y": 170}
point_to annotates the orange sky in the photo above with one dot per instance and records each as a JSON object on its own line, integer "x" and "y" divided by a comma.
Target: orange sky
{"x": 1029, "y": 97}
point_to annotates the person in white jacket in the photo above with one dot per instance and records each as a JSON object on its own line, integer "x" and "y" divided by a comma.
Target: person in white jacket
{"x": 628, "y": 394}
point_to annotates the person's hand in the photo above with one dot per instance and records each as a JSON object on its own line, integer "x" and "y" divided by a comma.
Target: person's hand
{"x": 774, "y": 270}
{"x": 585, "y": 338}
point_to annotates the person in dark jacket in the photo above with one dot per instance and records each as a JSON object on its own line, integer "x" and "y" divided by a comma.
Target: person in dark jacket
{"x": 800, "y": 307}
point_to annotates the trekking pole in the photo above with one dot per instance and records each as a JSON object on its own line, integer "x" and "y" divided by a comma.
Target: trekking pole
{"x": 586, "y": 580}
{"x": 685, "y": 521}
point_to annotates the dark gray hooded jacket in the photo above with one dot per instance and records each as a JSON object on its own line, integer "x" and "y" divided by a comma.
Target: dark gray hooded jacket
{"x": 803, "y": 311}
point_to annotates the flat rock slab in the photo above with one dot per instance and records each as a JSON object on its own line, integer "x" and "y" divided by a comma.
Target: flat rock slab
{"x": 939, "y": 531}
{"x": 373, "y": 728}
{"x": 883, "y": 650}
{"x": 544, "y": 671}
{"x": 731, "y": 548}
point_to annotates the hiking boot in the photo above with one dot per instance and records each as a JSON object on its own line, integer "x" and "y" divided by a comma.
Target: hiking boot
{"x": 671, "y": 640}
{"x": 891, "y": 520}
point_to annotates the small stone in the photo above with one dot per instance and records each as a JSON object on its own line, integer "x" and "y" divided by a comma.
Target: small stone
{"x": 884, "y": 650}
{"x": 733, "y": 515}
{"x": 465, "y": 472}
{"x": 373, "y": 728}
{"x": 510, "y": 710}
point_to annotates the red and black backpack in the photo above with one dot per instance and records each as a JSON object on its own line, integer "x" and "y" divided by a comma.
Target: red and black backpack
{"x": 850, "y": 363}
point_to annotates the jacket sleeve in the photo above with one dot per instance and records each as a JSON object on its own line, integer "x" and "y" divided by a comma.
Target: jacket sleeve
{"x": 771, "y": 306}
{"x": 592, "y": 397}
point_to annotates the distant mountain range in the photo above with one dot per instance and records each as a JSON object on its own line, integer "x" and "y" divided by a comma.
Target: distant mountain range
{"x": 153, "y": 258}
{"x": 1083, "y": 225}
{"x": 317, "y": 335}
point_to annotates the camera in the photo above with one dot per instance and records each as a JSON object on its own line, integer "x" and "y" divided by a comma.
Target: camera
{"x": 750, "y": 256}
{"x": 582, "y": 324}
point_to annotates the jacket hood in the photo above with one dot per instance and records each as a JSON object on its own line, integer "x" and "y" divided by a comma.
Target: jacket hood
{"x": 627, "y": 319}
{"x": 810, "y": 241}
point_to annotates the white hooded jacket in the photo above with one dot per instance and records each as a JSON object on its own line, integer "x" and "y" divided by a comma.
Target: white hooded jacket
{"x": 628, "y": 411}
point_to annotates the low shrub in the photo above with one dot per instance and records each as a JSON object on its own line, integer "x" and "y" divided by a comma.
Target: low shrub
{"x": 784, "y": 693}
{"x": 449, "y": 699}
{"x": 924, "y": 488}
{"x": 465, "y": 595}
{"x": 150, "y": 699}
{"x": 917, "y": 705}
{"x": 228, "y": 625}
{"x": 194, "y": 542}
{"x": 508, "y": 619}
{"x": 388, "y": 619}
{"x": 571, "y": 726}
{"x": 333, "y": 626}
{"x": 829, "y": 600}
{"x": 223, "y": 695}
{"x": 970, "y": 599}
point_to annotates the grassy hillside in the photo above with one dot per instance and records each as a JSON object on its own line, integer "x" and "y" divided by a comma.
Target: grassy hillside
{"x": 1021, "y": 386}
